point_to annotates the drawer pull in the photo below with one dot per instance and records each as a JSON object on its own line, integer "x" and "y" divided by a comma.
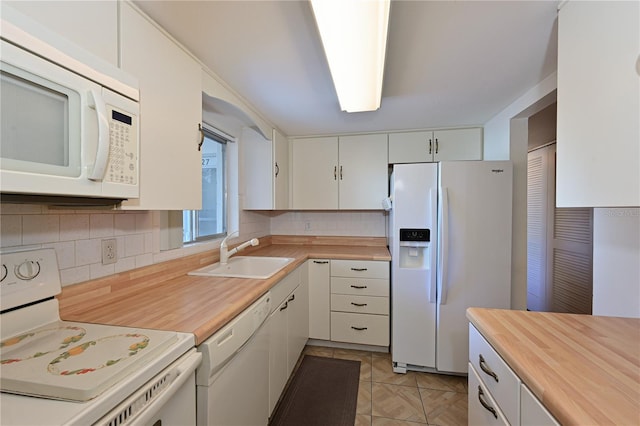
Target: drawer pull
{"x": 486, "y": 369}
{"x": 285, "y": 306}
{"x": 359, "y": 328}
{"x": 292, "y": 298}
{"x": 321, "y": 262}
{"x": 484, "y": 403}
{"x": 358, "y": 286}
{"x": 359, "y": 269}
{"x": 358, "y": 304}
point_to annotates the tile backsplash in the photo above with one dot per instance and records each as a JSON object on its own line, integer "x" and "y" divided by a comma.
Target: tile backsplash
{"x": 77, "y": 235}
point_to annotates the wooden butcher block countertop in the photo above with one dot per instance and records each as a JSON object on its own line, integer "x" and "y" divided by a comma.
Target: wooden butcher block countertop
{"x": 584, "y": 369}
{"x": 164, "y": 297}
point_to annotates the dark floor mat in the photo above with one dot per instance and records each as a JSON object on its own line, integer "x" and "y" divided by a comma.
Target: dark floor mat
{"x": 322, "y": 392}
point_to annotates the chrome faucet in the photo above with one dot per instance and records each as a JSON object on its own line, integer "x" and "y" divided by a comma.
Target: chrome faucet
{"x": 225, "y": 253}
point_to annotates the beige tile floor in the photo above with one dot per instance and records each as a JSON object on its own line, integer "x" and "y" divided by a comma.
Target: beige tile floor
{"x": 386, "y": 398}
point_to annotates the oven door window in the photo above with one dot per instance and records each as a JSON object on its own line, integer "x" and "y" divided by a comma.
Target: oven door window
{"x": 40, "y": 124}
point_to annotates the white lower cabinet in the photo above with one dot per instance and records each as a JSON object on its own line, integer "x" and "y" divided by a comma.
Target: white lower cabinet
{"x": 319, "y": 299}
{"x": 288, "y": 329}
{"x": 497, "y": 396}
{"x": 532, "y": 412}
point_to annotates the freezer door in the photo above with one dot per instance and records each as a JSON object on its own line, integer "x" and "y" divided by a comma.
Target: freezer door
{"x": 413, "y": 296}
{"x": 475, "y": 261}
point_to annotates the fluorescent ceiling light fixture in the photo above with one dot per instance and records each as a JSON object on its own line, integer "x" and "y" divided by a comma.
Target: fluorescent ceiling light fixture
{"x": 354, "y": 36}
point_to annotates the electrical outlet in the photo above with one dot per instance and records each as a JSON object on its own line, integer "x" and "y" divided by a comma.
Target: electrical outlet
{"x": 307, "y": 226}
{"x": 109, "y": 251}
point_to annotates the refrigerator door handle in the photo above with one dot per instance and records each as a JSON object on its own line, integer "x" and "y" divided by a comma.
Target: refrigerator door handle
{"x": 433, "y": 194}
{"x": 444, "y": 246}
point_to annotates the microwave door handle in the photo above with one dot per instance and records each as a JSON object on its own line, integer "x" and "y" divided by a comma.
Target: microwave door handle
{"x": 102, "y": 154}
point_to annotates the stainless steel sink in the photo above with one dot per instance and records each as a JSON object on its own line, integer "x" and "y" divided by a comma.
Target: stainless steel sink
{"x": 257, "y": 267}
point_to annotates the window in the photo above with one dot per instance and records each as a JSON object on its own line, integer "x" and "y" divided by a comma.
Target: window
{"x": 211, "y": 221}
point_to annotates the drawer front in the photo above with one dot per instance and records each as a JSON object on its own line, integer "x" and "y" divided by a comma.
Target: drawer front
{"x": 360, "y": 304}
{"x": 505, "y": 386}
{"x": 360, "y": 328}
{"x": 482, "y": 408}
{"x": 360, "y": 286}
{"x": 360, "y": 268}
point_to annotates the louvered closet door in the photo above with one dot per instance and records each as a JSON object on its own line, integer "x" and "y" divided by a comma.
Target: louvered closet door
{"x": 573, "y": 260}
{"x": 559, "y": 243}
{"x": 540, "y": 204}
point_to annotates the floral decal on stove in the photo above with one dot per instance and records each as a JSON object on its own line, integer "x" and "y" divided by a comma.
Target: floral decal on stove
{"x": 140, "y": 342}
{"x": 14, "y": 342}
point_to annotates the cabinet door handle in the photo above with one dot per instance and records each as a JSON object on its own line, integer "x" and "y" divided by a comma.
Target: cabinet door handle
{"x": 358, "y": 286}
{"x": 485, "y": 404}
{"x": 430, "y": 146}
{"x": 358, "y": 304}
{"x": 340, "y": 172}
{"x": 359, "y": 328}
{"x": 359, "y": 269}
{"x": 277, "y": 169}
{"x": 292, "y": 298}
{"x": 436, "y": 145}
{"x": 321, "y": 262}
{"x": 201, "y": 137}
{"x": 285, "y": 306}
{"x": 484, "y": 367}
{"x": 335, "y": 172}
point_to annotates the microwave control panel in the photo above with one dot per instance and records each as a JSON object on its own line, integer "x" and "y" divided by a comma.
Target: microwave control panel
{"x": 123, "y": 152}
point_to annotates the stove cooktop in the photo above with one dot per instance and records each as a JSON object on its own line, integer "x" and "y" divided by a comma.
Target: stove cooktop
{"x": 76, "y": 361}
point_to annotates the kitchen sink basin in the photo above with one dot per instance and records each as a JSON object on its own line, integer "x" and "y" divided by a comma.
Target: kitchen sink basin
{"x": 245, "y": 267}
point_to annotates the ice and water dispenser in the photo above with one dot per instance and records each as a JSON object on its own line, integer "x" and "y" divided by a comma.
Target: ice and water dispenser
{"x": 414, "y": 248}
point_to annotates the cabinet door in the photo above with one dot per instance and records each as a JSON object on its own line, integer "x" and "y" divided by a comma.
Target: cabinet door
{"x": 277, "y": 324}
{"x": 315, "y": 173}
{"x": 363, "y": 172}
{"x": 598, "y": 154}
{"x": 410, "y": 147}
{"x": 457, "y": 144}
{"x": 298, "y": 324}
{"x": 319, "y": 299}
{"x": 281, "y": 171}
{"x": 258, "y": 168}
{"x": 170, "y": 110}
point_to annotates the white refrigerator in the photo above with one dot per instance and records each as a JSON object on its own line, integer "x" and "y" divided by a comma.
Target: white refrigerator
{"x": 450, "y": 243}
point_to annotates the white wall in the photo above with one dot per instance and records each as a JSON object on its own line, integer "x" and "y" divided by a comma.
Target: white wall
{"x": 616, "y": 262}
{"x": 506, "y": 138}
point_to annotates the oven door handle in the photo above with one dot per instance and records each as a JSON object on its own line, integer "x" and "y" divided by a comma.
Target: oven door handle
{"x": 179, "y": 375}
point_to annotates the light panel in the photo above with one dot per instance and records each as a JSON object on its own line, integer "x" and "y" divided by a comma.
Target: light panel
{"x": 354, "y": 36}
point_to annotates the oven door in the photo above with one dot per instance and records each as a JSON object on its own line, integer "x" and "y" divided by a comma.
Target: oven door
{"x": 168, "y": 399}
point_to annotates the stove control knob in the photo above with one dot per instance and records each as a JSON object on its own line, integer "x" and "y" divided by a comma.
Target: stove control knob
{"x": 27, "y": 270}
{"x": 4, "y": 272}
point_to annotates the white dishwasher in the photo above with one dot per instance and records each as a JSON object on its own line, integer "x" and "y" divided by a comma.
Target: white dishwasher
{"x": 233, "y": 379}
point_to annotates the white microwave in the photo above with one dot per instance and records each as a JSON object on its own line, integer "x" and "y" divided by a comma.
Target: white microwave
{"x": 67, "y": 129}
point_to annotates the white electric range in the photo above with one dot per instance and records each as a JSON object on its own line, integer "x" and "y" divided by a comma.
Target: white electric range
{"x": 55, "y": 372}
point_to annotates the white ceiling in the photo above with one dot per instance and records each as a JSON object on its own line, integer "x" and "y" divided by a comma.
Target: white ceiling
{"x": 449, "y": 63}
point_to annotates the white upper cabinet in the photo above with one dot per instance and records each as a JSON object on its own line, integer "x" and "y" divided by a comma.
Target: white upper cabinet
{"x": 170, "y": 110}
{"x": 363, "y": 172}
{"x": 314, "y": 177}
{"x": 346, "y": 172}
{"x": 598, "y": 128}
{"x": 439, "y": 145}
{"x": 92, "y": 25}
{"x": 266, "y": 171}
